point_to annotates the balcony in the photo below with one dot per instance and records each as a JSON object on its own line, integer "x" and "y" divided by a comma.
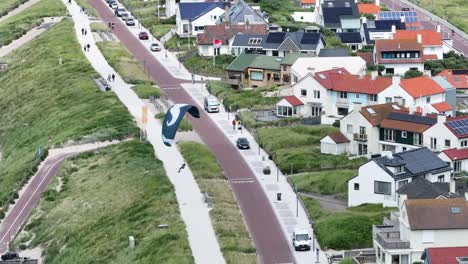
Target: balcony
{"x": 388, "y": 236}
{"x": 360, "y": 137}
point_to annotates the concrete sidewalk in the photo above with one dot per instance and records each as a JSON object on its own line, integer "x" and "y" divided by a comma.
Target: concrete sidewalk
{"x": 194, "y": 211}
{"x": 19, "y": 9}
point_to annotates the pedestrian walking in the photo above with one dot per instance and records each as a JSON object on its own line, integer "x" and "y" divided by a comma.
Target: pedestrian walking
{"x": 82, "y": 31}
{"x": 233, "y": 124}
{"x": 181, "y": 167}
{"x": 88, "y": 46}
{"x": 84, "y": 48}
{"x": 239, "y": 126}
{"x": 113, "y": 77}
{"x": 109, "y": 78}
{"x": 85, "y": 32}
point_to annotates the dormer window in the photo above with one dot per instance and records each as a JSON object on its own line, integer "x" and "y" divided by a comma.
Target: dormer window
{"x": 399, "y": 169}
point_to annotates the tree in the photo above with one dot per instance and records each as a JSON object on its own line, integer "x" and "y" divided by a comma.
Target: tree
{"x": 412, "y": 74}
{"x": 451, "y": 60}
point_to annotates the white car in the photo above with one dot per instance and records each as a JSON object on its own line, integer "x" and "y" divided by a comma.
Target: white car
{"x": 301, "y": 239}
{"x": 155, "y": 47}
{"x": 114, "y": 6}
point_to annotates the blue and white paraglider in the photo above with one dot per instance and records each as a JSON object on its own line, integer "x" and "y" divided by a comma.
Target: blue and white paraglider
{"x": 173, "y": 118}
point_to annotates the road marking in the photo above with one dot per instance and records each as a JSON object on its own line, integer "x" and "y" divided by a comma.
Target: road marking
{"x": 242, "y": 180}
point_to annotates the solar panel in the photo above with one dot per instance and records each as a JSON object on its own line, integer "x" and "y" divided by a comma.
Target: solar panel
{"x": 310, "y": 38}
{"x": 460, "y": 126}
{"x": 413, "y": 118}
{"x": 275, "y": 37}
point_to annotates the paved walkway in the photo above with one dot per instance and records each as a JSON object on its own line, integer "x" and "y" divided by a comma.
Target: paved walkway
{"x": 18, "y": 214}
{"x": 194, "y": 212}
{"x": 30, "y": 35}
{"x": 18, "y": 10}
{"x": 328, "y": 202}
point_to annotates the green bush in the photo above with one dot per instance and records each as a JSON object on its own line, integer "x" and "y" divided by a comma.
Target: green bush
{"x": 145, "y": 91}
{"x": 325, "y": 182}
{"x": 412, "y": 74}
{"x": 347, "y": 261}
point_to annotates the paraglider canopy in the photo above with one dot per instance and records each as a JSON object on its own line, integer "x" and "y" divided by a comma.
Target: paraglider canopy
{"x": 173, "y": 118}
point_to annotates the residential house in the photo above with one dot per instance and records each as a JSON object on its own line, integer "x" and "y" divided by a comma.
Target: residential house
{"x": 351, "y": 39}
{"x": 431, "y": 40}
{"x": 170, "y": 6}
{"x": 447, "y": 133}
{"x": 420, "y": 188}
{"x": 369, "y": 8}
{"x": 226, "y": 34}
{"x": 340, "y": 15}
{"x": 421, "y": 224}
{"x": 334, "y": 52}
{"x": 410, "y": 18}
{"x": 445, "y": 255}
{"x": 457, "y": 77}
{"x": 450, "y": 94}
{"x": 378, "y": 179}
{"x": 307, "y": 3}
{"x": 303, "y": 66}
{"x": 241, "y": 13}
{"x": 193, "y": 17}
{"x": 458, "y": 160}
{"x": 380, "y": 29}
{"x": 289, "y": 106}
{"x": 279, "y": 43}
{"x": 335, "y": 143}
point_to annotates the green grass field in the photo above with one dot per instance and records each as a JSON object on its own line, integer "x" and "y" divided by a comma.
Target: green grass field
{"x": 171, "y": 44}
{"x": 325, "y": 182}
{"x": 202, "y": 65}
{"x": 122, "y": 191}
{"x": 89, "y": 9}
{"x": 346, "y": 230}
{"x": 16, "y": 26}
{"x": 145, "y": 91}
{"x": 98, "y": 26}
{"x": 8, "y": 5}
{"x": 229, "y": 226}
{"x": 455, "y": 11}
{"x": 124, "y": 63}
{"x": 39, "y": 97}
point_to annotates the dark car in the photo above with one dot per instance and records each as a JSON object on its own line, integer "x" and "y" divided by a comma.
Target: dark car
{"x": 111, "y": 2}
{"x": 143, "y": 35}
{"x": 243, "y": 143}
{"x": 405, "y": 9}
{"x": 10, "y": 255}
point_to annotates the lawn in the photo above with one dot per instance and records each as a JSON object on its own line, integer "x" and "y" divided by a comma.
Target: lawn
{"x": 7, "y": 5}
{"x": 280, "y": 12}
{"x": 89, "y": 9}
{"x": 345, "y": 230}
{"x": 106, "y": 197}
{"x": 16, "y": 26}
{"x": 180, "y": 44}
{"x": 204, "y": 65}
{"x": 454, "y": 10}
{"x": 41, "y": 98}
{"x": 240, "y": 99}
{"x": 98, "y": 26}
{"x": 145, "y": 91}
{"x": 325, "y": 182}
{"x": 124, "y": 63}
{"x": 228, "y": 223}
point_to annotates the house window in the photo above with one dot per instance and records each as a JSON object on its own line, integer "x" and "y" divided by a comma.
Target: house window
{"x": 285, "y": 68}
{"x": 441, "y": 178}
{"x": 357, "y": 95}
{"x": 402, "y": 183}
{"x": 275, "y": 53}
{"x": 342, "y": 111}
{"x": 276, "y": 77}
{"x": 417, "y": 139}
{"x": 343, "y": 95}
{"x": 316, "y": 94}
{"x": 373, "y": 97}
{"x": 447, "y": 143}
{"x": 381, "y": 187}
{"x": 349, "y": 129}
{"x": 388, "y": 100}
{"x": 457, "y": 166}
{"x": 455, "y": 210}
{"x": 433, "y": 143}
{"x": 356, "y": 186}
{"x": 464, "y": 143}
{"x": 399, "y": 169}
{"x": 256, "y": 75}
{"x": 303, "y": 92}
{"x": 428, "y": 99}
{"x": 285, "y": 110}
{"x": 199, "y": 28}
{"x": 404, "y": 259}
{"x": 404, "y": 134}
{"x": 389, "y": 134}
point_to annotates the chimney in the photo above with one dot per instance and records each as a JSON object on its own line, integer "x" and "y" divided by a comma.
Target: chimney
{"x": 377, "y": 2}
{"x": 247, "y": 24}
{"x": 441, "y": 118}
{"x": 396, "y": 80}
{"x": 357, "y": 106}
{"x": 227, "y": 16}
{"x": 374, "y": 75}
{"x": 419, "y": 38}
{"x": 402, "y": 19}
{"x": 438, "y": 28}
{"x": 393, "y": 29}
{"x": 387, "y": 154}
{"x": 364, "y": 20}
{"x": 287, "y": 29}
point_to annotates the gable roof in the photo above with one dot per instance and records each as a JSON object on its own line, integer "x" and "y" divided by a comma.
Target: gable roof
{"x": 334, "y": 52}
{"x": 421, "y": 86}
{"x": 246, "y": 60}
{"x": 456, "y": 154}
{"x": 303, "y": 66}
{"x": 458, "y": 78}
{"x": 224, "y": 33}
{"x": 341, "y": 80}
{"x": 401, "y": 120}
{"x": 444, "y": 255}
{"x": 305, "y": 2}
{"x": 241, "y": 10}
{"x": 350, "y": 37}
{"x": 436, "y": 214}
{"x": 334, "y": 11}
{"x": 383, "y": 45}
{"x": 442, "y": 107}
{"x": 416, "y": 162}
{"x": 458, "y": 125}
{"x": 241, "y": 62}
{"x": 338, "y": 137}
{"x": 193, "y": 10}
{"x": 420, "y": 188}
{"x": 275, "y": 40}
{"x": 378, "y": 112}
{"x": 428, "y": 37}
{"x": 368, "y": 8}
{"x": 293, "y": 100}
{"x": 245, "y": 40}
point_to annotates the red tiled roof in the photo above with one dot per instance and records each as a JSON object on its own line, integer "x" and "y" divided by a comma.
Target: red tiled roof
{"x": 459, "y": 81}
{"x": 293, "y": 100}
{"x": 456, "y": 154}
{"x": 381, "y": 111}
{"x": 338, "y": 137}
{"x": 428, "y": 37}
{"x": 224, "y": 33}
{"x": 368, "y": 8}
{"x": 421, "y": 86}
{"x": 305, "y": 2}
{"x": 446, "y": 255}
{"x": 341, "y": 80}
{"x": 399, "y": 45}
{"x": 442, "y": 107}
{"x": 368, "y": 57}
{"x": 404, "y": 125}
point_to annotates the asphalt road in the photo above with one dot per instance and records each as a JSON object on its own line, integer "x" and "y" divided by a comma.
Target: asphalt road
{"x": 459, "y": 42}
{"x": 29, "y": 200}
{"x": 261, "y": 221}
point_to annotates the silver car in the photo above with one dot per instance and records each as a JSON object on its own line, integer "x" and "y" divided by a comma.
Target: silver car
{"x": 155, "y": 47}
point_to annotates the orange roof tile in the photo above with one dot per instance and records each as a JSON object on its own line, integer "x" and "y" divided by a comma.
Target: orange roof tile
{"x": 368, "y": 8}
{"x": 404, "y": 125}
{"x": 442, "y": 107}
{"x": 428, "y": 37}
{"x": 458, "y": 78}
{"x": 421, "y": 86}
{"x": 293, "y": 100}
{"x": 305, "y": 2}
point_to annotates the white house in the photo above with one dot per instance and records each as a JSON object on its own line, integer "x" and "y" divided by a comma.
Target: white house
{"x": 289, "y": 106}
{"x": 447, "y": 133}
{"x": 171, "y": 6}
{"x": 307, "y": 3}
{"x": 421, "y": 223}
{"x": 458, "y": 160}
{"x": 335, "y": 143}
{"x": 308, "y": 17}
{"x": 431, "y": 40}
{"x": 378, "y": 179}
{"x": 193, "y": 17}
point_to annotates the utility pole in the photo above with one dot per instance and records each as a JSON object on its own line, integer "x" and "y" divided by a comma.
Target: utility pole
{"x": 158, "y": 10}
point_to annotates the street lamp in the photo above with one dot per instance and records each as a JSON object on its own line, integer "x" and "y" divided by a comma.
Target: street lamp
{"x": 297, "y": 201}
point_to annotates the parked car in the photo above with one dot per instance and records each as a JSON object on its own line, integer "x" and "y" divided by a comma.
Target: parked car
{"x": 243, "y": 143}
{"x": 155, "y": 47}
{"x": 10, "y": 255}
{"x": 130, "y": 21}
{"x": 114, "y": 5}
{"x": 111, "y": 2}
{"x": 301, "y": 239}
{"x": 143, "y": 35}
{"x": 405, "y": 9}
{"x": 124, "y": 16}
{"x": 211, "y": 104}
{"x": 119, "y": 11}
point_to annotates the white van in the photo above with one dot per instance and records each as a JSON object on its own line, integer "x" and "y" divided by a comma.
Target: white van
{"x": 211, "y": 104}
{"x": 301, "y": 239}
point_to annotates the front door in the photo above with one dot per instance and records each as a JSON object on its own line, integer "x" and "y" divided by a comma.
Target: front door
{"x": 316, "y": 110}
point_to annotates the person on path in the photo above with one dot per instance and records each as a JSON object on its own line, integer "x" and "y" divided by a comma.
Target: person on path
{"x": 239, "y": 126}
{"x": 82, "y": 31}
{"x": 88, "y": 46}
{"x": 233, "y": 124}
{"x": 181, "y": 167}
{"x": 113, "y": 77}
{"x": 84, "y": 48}
{"x": 109, "y": 78}
{"x": 85, "y": 32}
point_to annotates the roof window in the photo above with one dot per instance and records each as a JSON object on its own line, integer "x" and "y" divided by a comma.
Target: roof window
{"x": 322, "y": 76}
{"x": 371, "y": 111}
{"x": 255, "y": 40}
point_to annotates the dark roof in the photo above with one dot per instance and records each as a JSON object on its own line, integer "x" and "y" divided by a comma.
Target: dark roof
{"x": 241, "y": 10}
{"x": 458, "y": 126}
{"x": 338, "y": 137}
{"x": 302, "y": 40}
{"x": 425, "y": 120}
{"x": 243, "y": 40}
{"x": 420, "y": 188}
{"x": 417, "y": 162}
{"x": 436, "y": 214}
{"x": 350, "y": 37}
{"x": 337, "y": 52}
{"x": 194, "y": 10}
{"x": 340, "y": 8}
{"x": 224, "y": 33}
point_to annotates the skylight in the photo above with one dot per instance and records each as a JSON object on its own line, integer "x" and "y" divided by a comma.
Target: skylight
{"x": 255, "y": 40}
{"x": 455, "y": 210}
{"x": 346, "y": 4}
{"x": 371, "y": 111}
{"x": 396, "y": 107}
{"x": 322, "y": 76}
